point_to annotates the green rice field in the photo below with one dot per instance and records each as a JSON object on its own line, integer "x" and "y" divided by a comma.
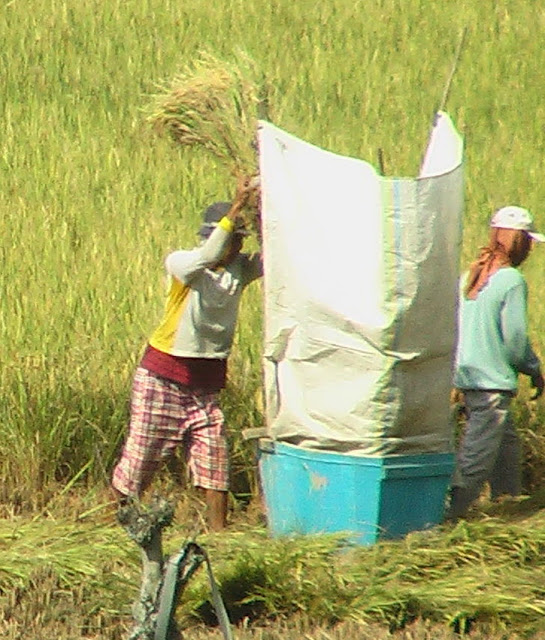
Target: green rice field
{"x": 91, "y": 200}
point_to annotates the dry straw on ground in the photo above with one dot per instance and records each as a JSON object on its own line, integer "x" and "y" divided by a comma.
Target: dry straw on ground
{"x": 78, "y": 578}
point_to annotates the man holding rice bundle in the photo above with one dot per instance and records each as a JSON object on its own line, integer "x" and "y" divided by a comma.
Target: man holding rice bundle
{"x": 493, "y": 349}
{"x": 176, "y": 386}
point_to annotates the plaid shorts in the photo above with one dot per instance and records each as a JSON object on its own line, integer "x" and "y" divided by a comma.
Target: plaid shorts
{"x": 164, "y": 416}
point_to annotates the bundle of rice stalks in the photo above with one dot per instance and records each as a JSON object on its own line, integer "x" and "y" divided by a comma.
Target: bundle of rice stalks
{"x": 212, "y": 104}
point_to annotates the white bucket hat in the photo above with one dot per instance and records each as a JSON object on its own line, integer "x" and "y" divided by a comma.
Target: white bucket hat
{"x": 513, "y": 217}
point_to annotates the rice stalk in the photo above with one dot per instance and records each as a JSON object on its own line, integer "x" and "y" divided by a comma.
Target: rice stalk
{"x": 212, "y": 104}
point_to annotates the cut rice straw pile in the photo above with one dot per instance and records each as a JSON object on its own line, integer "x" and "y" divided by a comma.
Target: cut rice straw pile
{"x": 95, "y": 556}
{"x": 488, "y": 572}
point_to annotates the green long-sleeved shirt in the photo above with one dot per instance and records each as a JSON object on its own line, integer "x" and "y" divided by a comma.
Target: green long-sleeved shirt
{"x": 493, "y": 345}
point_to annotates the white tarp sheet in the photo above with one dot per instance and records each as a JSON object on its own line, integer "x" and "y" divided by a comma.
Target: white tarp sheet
{"x": 360, "y": 290}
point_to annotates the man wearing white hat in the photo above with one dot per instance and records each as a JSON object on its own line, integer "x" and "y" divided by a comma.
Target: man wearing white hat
{"x": 493, "y": 349}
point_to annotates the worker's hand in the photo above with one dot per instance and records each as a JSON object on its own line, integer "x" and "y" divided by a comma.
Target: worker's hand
{"x": 457, "y": 397}
{"x": 538, "y": 384}
{"x": 244, "y": 188}
{"x": 458, "y": 403}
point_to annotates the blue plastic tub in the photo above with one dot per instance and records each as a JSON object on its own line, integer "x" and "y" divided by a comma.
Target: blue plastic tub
{"x": 310, "y": 491}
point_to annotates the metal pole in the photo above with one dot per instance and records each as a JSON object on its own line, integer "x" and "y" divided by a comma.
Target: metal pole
{"x": 446, "y": 90}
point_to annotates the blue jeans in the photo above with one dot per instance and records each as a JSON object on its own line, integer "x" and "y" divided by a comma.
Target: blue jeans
{"x": 489, "y": 451}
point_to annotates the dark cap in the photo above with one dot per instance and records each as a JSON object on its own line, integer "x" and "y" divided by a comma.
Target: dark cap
{"x": 213, "y": 214}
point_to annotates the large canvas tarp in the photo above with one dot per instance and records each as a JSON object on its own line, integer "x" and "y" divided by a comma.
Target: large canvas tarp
{"x": 360, "y": 292}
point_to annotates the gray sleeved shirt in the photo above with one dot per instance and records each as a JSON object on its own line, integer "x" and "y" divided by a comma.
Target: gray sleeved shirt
{"x": 203, "y": 301}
